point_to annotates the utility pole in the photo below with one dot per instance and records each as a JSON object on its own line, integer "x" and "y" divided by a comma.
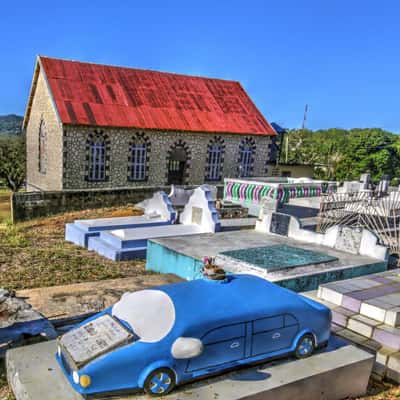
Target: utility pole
{"x": 305, "y": 117}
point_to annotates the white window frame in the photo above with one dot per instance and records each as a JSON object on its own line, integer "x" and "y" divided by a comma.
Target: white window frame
{"x": 246, "y": 160}
{"x": 97, "y": 160}
{"x": 138, "y": 162}
{"x": 214, "y": 162}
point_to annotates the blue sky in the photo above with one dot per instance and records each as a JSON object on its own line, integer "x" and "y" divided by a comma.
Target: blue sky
{"x": 341, "y": 57}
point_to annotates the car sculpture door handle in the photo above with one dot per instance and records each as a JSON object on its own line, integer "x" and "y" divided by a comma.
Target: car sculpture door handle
{"x": 276, "y": 335}
{"x": 234, "y": 345}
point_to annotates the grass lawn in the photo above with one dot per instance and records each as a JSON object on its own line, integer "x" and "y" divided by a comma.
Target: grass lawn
{"x": 34, "y": 254}
{"x": 5, "y": 206}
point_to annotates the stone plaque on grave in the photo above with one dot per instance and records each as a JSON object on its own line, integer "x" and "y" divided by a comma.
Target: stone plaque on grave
{"x": 94, "y": 338}
{"x": 349, "y": 240}
{"x": 280, "y": 224}
{"x": 269, "y": 205}
{"x": 197, "y": 215}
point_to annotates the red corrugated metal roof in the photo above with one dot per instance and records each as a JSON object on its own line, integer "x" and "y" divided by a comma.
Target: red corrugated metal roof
{"x": 101, "y": 95}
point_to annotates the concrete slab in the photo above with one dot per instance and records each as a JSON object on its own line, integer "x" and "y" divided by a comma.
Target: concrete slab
{"x": 340, "y": 372}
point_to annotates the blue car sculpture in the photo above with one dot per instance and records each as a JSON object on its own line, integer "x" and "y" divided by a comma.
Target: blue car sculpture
{"x": 158, "y": 338}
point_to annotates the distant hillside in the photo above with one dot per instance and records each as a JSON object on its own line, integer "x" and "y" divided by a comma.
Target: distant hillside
{"x": 10, "y": 124}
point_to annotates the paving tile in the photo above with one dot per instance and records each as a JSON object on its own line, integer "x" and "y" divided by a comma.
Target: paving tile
{"x": 380, "y": 279}
{"x": 351, "y": 303}
{"x": 383, "y": 355}
{"x": 331, "y": 296}
{"x": 359, "y": 326}
{"x": 372, "y": 345}
{"x": 393, "y": 299}
{"x": 393, "y": 367}
{"x": 388, "y": 336}
{"x": 352, "y": 336}
{"x": 392, "y": 317}
{"x": 340, "y": 315}
{"x": 373, "y": 311}
{"x": 335, "y": 328}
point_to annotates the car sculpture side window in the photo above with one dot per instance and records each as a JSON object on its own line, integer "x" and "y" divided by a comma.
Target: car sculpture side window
{"x": 221, "y": 345}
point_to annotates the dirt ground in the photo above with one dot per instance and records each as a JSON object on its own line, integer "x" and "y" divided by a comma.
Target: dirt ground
{"x": 34, "y": 254}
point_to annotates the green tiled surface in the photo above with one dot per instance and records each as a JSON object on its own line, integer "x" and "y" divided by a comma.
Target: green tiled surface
{"x": 279, "y": 256}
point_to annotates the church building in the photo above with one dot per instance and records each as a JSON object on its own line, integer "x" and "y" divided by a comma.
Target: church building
{"x": 100, "y": 126}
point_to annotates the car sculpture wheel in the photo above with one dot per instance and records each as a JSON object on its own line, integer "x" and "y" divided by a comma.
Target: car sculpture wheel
{"x": 160, "y": 382}
{"x": 305, "y": 347}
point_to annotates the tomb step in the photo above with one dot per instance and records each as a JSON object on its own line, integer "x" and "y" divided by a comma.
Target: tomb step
{"x": 115, "y": 254}
{"x": 76, "y": 235}
{"x": 363, "y": 325}
{"x": 388, "y": 336}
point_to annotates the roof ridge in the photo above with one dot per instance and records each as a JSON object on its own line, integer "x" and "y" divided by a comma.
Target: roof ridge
{"x": 140, "y": 69}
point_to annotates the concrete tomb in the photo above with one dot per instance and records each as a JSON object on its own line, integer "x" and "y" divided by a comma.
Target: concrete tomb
{"x": 158, "y": 211}
{"x": 198, "y": 216}
{"x": 278, "y": 250}
{"x": 366, "y": 310}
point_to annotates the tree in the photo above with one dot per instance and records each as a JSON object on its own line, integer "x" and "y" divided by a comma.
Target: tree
{"x": 345, "y": 154}
{"x": 12, "y": 161}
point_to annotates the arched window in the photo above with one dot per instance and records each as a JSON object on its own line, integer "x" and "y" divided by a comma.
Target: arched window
{"x": 42, "y": 148}
{"x": 247, "y": 149}
{"x": 138, "y": 157}
{"x": 97, "y": 148}
{"x": 215, "y": 160}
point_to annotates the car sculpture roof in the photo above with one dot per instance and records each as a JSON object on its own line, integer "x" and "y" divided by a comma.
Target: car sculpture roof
{"x": 205, "y": 303}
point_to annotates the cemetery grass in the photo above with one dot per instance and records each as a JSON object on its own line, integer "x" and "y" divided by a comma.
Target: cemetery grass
{"x": 35, "y": 254}
{"x": 5, "y": 206}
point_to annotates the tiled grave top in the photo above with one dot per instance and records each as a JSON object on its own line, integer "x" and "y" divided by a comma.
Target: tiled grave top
{"x": 375, "y": 296}
{"x": 102, "y": 222}
{"x": 279, "y": 256}
{"x": 155, "y": 232}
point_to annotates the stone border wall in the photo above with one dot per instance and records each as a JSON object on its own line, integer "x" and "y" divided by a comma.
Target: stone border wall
{"x": 29, "y": 205}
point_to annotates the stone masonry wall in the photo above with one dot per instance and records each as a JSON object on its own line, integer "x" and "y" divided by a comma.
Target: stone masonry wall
{"x": 43, "y": 109}
{"x": 75, "y": 156}
{"x": 28, "y": 205}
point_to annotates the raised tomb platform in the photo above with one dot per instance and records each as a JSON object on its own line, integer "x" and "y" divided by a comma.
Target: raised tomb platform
{"x": 198, "y": 216}
{"x": 158, "y": 211}
{"x": 337, "y": 372}
{"x": 278, "y": 250}
{"x": 366, "y": 311}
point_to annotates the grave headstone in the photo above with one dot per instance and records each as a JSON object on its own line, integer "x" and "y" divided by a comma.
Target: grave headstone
{"x": 351, "y": 186}
{"x": 197, "y": 215}
{"x": 349, "y": 240}
{"x": 365, "y": 181}
{"x": 179, "y": 196}
{"x": 269, "y": 205}
{"x": 383, "y": 185}
{"x": 94, "y": 338}
{"x": 280, "y": 224}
